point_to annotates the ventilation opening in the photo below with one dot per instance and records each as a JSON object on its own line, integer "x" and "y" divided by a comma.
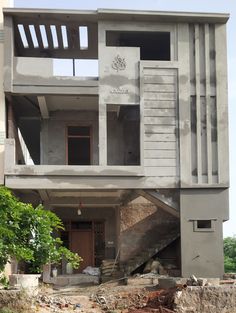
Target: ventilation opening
{"x": 78, "y": 145}
{"x": 204, "y": 224}
{"x": 153, "y": 45}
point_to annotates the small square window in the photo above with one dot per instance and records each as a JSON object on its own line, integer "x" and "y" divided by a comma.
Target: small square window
{"x": 204, "y": 225}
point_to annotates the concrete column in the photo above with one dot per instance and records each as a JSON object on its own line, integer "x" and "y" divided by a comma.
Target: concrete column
{"x": 3, "y": 3}
{"x": 102, "y": 134}
{"x": 202, "y": 214}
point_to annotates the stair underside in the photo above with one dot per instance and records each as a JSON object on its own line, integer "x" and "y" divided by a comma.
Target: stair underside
{"x": 144, "y": 256}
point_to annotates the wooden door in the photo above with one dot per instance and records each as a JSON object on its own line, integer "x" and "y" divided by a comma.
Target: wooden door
{"x": 82, "y": 243}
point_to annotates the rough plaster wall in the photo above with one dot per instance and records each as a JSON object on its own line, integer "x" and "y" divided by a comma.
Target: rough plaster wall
{"x": 53, "y": 135}
{"x": 89, "y": 214}
{"x": 202, "y": 251}
{"x": 40, "y": 67}
{"x": 206, "y": 300}
{"x": 141, "y": 225}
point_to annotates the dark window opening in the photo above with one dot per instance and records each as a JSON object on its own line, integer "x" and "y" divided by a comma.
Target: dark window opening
{"x": 123, "y": 135}
{"x": 84, "y": 225}
{"x": 204, "y": 224}
{"x": 65, "y": 238}
{"x": 153, "y": 45}
{"x": 78, "y": 145}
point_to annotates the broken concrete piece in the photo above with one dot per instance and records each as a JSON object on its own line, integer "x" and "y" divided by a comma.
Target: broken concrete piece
{"x": 155, "y": 266}
{"x": 147, "y": 268}
{"x": 165, "y": 283}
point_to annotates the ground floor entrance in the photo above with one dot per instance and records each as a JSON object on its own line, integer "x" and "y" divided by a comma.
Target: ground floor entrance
{"x": 87, "y": 238}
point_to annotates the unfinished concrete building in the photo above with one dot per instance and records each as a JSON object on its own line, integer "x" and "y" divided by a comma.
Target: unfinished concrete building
{"x": 134, "y": 158}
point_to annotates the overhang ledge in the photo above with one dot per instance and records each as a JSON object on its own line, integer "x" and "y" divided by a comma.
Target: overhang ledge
{"x": 120, "y": 14}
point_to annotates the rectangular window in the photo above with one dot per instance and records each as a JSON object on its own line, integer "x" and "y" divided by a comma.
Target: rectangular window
{"x": 79, "y": 145}
{"x": 123, "y": 135}
{"x": 153, "y": 45}
{"x": 204, "y": 225}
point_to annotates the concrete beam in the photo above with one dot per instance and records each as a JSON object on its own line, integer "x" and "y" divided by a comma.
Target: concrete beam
{"x": 43, "y": 107}
{"x": 44, "y": 195}
{"x": 159, "y": 201}
{"x": 88, "y": 201}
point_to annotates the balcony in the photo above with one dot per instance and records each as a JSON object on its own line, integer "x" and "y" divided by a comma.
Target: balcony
{"x": 35, "y": 76}
{"x": 22, "y": 176}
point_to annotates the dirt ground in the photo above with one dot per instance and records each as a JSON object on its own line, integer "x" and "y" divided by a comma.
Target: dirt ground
{"x": 104, "y": 298}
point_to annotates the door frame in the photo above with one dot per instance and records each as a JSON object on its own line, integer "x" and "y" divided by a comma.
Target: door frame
{"x": 90, "y": 136}
{"x": 70, "y": 230}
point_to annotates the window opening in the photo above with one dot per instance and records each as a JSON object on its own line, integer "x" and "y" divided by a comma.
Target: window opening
{"x": 123, "y": 135}
{"x": 204, "y": 224}
{"x": 79, "y": 145}
{"x": 64, "y": 36}
{"x": 153, "y": 45}
{"x": 54, "y": 36}
{"x": 83, "y": 37}
{"x": 23, "y": 35}
{"x": 44, "y": 36}
{"x": 33, "y": 36}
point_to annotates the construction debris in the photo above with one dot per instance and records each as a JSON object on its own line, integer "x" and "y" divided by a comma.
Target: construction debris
{"x": 135, "y": 300}
{"x": 54, "y": 303}
{"x": 194, "y": 281}
{"x": 108, "y": 267}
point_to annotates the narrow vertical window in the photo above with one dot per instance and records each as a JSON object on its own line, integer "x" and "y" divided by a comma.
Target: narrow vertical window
{"x": 78, "y": 145}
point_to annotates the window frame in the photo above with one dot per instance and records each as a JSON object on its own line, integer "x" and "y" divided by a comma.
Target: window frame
{"x": 79, "y": 136}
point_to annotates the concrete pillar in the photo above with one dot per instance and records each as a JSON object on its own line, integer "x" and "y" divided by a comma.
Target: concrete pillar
{"x": 202, "y": 214}
{"x": 3, "y": 3}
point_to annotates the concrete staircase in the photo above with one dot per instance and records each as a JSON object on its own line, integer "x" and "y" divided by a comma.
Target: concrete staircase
{"x": 144, "y": 256}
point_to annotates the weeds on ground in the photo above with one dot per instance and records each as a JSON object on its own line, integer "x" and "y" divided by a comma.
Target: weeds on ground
{"x": 18, "y": 302}
{"x": 4, "y": 281}
{"x": 7, "y": 310}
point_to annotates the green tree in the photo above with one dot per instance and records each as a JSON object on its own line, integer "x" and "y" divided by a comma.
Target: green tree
{"x": 230, "y": 254}
{"x": 28, "y": 234}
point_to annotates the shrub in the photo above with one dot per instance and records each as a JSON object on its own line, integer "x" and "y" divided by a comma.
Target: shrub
{"x": 230, "y": 254}
{"x": 28, "y": 234}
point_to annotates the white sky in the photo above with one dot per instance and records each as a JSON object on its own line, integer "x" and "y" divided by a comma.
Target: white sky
{"x": 222, "y": 6}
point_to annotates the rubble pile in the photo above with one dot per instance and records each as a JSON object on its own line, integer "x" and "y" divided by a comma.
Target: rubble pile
{"x": 136, "y": 301}
{"x": 120, "y": 300}
{"x": 194, "y": 281}
{"x": 55, "y": 304}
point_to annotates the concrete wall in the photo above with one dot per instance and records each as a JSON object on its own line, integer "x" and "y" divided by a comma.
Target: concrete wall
{"x": 202, "y": 250}
{"x": 3, "y": 3}
{"x": 53, "y": 135}
{"x": 89, "y": 214}
{"x": 41, "y": 67}
{"x": 141, "y": 225}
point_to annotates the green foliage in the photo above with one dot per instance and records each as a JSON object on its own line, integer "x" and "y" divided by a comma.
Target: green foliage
{"x": 230, "y": 254}
{"x": 6, "y": 310}
{"x": 4, "y": 281}
{"x": 28, "y": 234}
